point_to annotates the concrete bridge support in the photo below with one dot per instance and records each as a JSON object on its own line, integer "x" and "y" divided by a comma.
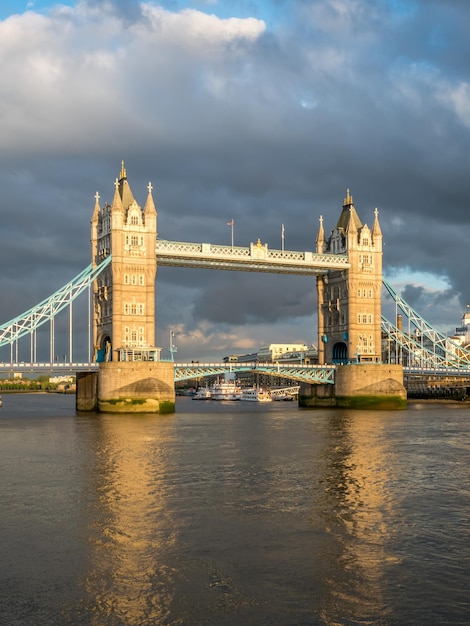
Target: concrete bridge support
{"x": 359, "y": 386}
{"x": 128, "y": 387}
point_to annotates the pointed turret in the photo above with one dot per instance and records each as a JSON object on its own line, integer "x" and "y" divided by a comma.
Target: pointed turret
{"x": 96, "y": 210}
{"x": 348, "y": 215}
{"x": 150, "y": 212}
{"x": 117, "y": 210}
{"x": 125, "y": 191}
{"x": 150, "y": 204}
{"x": 117, "y": 201}
{"x": 94, "y": 229}
{"x": 321, "y": 237}
{"x": 376, "y": 230}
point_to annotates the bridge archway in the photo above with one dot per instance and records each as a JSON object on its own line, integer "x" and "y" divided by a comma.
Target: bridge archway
{"x": 340, "y": 352}
{"x": 104, "y": 349}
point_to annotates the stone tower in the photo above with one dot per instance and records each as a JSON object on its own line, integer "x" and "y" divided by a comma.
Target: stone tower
{"x": 124, "y": 293}
{"x": 349, "y": 302}
{"x": 130, "y": 377}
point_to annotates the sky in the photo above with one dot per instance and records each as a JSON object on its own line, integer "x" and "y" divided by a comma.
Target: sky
{"x": 260, "y": 111}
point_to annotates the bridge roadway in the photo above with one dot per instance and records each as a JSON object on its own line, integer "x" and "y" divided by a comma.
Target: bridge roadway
{"x": 311, "y": 373}
{"x": 186, "y": 371}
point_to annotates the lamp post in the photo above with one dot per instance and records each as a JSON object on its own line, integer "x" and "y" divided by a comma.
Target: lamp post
{"x": 172, "y": 348}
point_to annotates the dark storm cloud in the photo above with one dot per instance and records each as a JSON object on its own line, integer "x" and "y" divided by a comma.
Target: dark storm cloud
{"x": 221, "y": 301}
{"x": 231, "y": 120}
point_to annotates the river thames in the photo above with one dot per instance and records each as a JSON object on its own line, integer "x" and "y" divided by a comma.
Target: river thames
{"x": 233, "y": 514}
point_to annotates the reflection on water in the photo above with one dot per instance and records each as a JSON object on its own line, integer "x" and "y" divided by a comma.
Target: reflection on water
{"x": 357, "y": 507}
{"x": 126, "y": 523}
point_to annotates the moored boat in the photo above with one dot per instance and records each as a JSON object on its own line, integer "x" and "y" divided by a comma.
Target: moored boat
{"x": 227, "y": 389}
{"x": 285, "y": 397}
{"x": 255, "y": 394}
{"x": 203, "y": 393}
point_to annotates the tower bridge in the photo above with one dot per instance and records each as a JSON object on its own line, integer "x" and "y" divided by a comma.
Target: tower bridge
{"x": 126, "y": 371}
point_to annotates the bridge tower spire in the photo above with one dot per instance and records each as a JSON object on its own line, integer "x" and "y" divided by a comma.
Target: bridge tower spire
{"x": 349, "y": 302}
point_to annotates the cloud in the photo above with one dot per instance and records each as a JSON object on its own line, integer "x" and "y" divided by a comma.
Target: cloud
{"x": 230, "y": 117}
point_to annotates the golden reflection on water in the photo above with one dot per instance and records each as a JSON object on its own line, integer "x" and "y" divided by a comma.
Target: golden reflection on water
{"x": 128, "y": 580}
{"x": 359, "y": 515}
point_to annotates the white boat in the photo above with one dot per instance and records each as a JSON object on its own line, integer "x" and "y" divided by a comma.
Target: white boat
{"x": 255, "y": 394}
{"x": 227, "y": 389}
{"x": 203, "y": 393}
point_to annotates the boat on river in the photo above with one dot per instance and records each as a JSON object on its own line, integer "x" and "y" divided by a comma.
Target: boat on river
{"x": 255, "y": 394}
{"x": 226, "y": 388}
{"x": 203, "y": 393}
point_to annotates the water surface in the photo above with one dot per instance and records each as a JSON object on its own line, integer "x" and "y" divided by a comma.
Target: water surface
{"x": 230, "y": 514}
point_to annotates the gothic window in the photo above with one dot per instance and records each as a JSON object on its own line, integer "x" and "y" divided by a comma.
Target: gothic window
{"x": 133, "y": 308}
{"x": 134, "y": 220}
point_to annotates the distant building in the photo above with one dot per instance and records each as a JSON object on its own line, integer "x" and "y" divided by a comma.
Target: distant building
{"x": 61, "y": 379}
{"x": 276, "y": 351}
{"x": 281, "y": 353}
{"x": 462, "y": 333}
{"x": 241, "y": 358}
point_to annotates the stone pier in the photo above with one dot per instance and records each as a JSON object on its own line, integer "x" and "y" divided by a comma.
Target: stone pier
{"x": 359, "y": 386}
{"x": 127, "y": 387}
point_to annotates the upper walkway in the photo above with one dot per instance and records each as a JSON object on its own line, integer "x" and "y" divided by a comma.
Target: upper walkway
{"x": 255, "y": 258}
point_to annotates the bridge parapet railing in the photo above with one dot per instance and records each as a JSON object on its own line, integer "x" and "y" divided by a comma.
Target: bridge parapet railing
{"x": 258, "y": 252}
{"x": 317, "y": 374}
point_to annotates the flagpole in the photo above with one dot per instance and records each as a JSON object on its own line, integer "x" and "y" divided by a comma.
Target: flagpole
{"x": 231, "y": 223}
{"x": 282, "y": 237}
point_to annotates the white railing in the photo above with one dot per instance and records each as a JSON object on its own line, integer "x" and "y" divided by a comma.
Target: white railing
{"x": 256, "y": 257}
